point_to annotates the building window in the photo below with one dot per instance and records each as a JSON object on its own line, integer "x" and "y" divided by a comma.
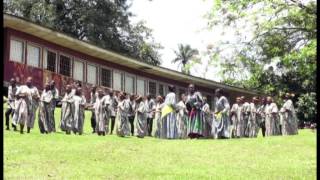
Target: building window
{"x": 161, "y": 89}
{"x": 16, "y": 51}
{"x": 209, "y": 100}
{"x": 141, "y": 87}
{"x": 118, "y": 81}
{"x": 91, "y": 74}
{"x": 65, "y": 65}
{"x": 33, "y": 56}
{"x": 78, "y": 70}
{"x": 152, "y": 88}
{"x": 49, "y": 61}
{"x": 106, "y": 77}
{"x": 129, "y": 86}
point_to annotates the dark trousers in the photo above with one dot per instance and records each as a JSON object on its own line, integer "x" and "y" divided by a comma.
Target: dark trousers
{"x": 54, "y": 104}
{"x": 93, "y": 121}
{"x": 149, "y": 125}
{"x": 7, "y": 114}
{"x": 113, "y": 118}
{"x": 263, "y": 128}
{"x": 131, "y": 120}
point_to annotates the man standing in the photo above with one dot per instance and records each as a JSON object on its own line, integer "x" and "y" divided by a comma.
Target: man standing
{"x": 246, "y": 115}
{"x": 55, "y": 99}
{"x": 12, "y": 89}
{"x": 93, "y": 97}
{"x": 131, "y": 112}
{"x": 27, "y": 105}
{"x": 113, "y": 108}
{"x": 67, "y": 109}
{"x": 151, "y": 110}
{"x": 271, "y": 112}
{"x": 221, "y": 115}
{"x": 261, "y": 116}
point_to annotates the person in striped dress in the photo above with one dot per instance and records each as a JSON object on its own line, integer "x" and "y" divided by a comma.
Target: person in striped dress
{"x": 221, "y": 115}
{"x": 12, "y": 89}
{"x": 195, "y": 116}
{"x": 44, "y": 117}
{"x": 182, "y": 115}
{"x": 169, "y": 129}
{"x": 122, "y": 121}
{"x": 141, "y": 117}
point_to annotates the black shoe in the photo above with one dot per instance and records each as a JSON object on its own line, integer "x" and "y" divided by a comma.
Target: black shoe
{"x": 8, "y": 128}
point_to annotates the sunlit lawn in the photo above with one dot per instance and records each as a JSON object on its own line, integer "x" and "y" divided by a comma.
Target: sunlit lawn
{"x": 60, "y": 156}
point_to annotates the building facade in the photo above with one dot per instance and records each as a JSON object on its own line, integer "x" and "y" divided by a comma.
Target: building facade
{"x": 45, "y": 54}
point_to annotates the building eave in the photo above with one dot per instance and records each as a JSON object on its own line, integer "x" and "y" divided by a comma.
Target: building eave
{"x": 64, "y": 40}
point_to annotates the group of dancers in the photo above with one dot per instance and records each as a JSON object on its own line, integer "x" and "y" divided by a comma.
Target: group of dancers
{"x": 136, "y": 115}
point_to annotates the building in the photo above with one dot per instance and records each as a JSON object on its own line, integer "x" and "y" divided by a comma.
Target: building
{"x": 46, "y": 54}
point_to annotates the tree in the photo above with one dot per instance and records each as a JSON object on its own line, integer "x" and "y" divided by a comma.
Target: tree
{"x": 104, "y": 23}
{"x": 184, "y": 55}
{"x": 280, "y": 53}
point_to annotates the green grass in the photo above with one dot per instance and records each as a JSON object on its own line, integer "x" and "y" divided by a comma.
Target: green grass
{"x": 60, "y": 156}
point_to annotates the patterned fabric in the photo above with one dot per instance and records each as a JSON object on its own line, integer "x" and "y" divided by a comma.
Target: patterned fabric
{"x": 44, "y": 117}
{"x": 141, "y": 120}
{"x": 252, "y": 123}
{"x": 169, "y": 129}
{"x": 195, "y": 115}
{"x": 221, "y": 118}
{"x": 289, "y": 119}
{"x": 182, "y": 116}
{"x": 157, "y": 119}
{"x": 206, "y": 121}
{"x": 246, "y": 116}
{"x": 78, "y": 117}
{"x": 122, "y": 121}
{"x": 101, "y": 115}
{"x": 271, "y": 112}
{"x": 67, "y": 112}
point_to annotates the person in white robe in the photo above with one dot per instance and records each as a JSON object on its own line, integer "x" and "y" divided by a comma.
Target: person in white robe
{"x": 246, "y": 116}
{"x": 101, "y": 113}
{"x": 122, "y": 121}
{"x": 12, "y": 89}
{"x": 131, "y": 113}
{"x": 67, "y": 110}
{"x": 45, "y": 105}
{"x": 271, "y": 112}
{"x": 55, "y": 99}
{"x": 221, "y": 116}
{"x": 26, "y": 106}
{"x": 78, "y": 116}
{"x": 157, "y": 119}
{"x": 141, "y": 118}
{"x": 182, "y": 115}
{"x": 261, "y": 117}
{"x": 207, "y": 119}
{"x": 289, "y": 119}
{"x": 237, "y": 118}
{"x": 169, "y": 129}
{"x": 252, "y": 122}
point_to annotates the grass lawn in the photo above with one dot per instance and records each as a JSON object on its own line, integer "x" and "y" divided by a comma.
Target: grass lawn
{"x": 60, "y": 156}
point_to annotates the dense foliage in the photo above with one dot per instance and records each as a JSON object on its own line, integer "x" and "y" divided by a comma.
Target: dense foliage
{"x": 105, "y": 23}
{"x": 279, "y": 56}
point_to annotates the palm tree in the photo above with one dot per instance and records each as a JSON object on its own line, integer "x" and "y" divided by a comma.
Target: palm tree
{"x": 184, "y": 54}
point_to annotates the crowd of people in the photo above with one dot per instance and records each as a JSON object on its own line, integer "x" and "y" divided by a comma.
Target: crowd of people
{"x": 136, "y": 115}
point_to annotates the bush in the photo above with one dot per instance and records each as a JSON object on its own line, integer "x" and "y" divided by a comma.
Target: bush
{"x": 307, "y": 107}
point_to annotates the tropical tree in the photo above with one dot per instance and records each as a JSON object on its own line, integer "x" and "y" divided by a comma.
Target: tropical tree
{"x": 279, "y": 55}
{"x": 105, "y": 23}
{"x": 184, "y": 55}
